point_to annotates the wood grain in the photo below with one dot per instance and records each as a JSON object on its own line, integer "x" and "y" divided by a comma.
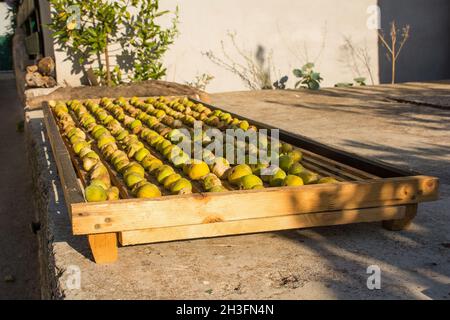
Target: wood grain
{"x": 260, "y": 225}
{"x": 132, "y": 214}
{"x": 69, "y": 180}
{"x": 103, "y": 247}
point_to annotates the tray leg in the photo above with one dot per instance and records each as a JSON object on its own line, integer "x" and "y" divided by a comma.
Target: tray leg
{"x": 103, "y": 247}
{"x": 401, "y": 224}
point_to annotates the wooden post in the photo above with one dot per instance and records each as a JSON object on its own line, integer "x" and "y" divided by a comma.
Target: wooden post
{"x": 103, "y": 247}
{"x": 401, "y": 224}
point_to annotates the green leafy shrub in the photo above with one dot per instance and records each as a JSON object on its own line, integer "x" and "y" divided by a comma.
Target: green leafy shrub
{"x": 86, "y": 30}
{"x": 308, "y": 77}
{"x": 281, "y": 83}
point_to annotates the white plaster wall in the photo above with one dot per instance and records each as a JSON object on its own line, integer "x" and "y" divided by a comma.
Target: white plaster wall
{"x": 293, "y": 31}
{"x": 4, "y": 23}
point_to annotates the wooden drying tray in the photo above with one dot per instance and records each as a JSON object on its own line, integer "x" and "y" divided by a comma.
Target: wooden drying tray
{"x": 370, "y": 191}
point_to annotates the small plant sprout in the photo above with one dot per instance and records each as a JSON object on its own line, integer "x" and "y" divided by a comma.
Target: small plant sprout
{"x": 308, "y": 77}
{"x": 396, "y": 45}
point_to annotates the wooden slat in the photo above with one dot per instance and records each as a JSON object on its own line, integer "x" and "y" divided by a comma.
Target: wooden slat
{"x": 103, "y": 247}
{"x": 342, "y": 174}
{"x": 321, "y": 172}
{"x": 69, "y": 180}
{"x": 167, "y": 211}
{"x": 260, "y": 225}
{"x": 351, "y": 172}
{"x": 372, "y": 166}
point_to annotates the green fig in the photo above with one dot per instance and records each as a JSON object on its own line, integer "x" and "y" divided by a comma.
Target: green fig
{"x": 249, "y": 182}
{"x": 237, "y": 172}
{"x": 308, "y": 177}
{"x": 148, "y": 190}
{"x": 141, "y": 154}
{"x": 296, "y": 155}
{"x": 95, "y": 193}
{"x": 292, "y": 180}
{"x": 327, "y": 180}
{"x": 285, "y": 162}
{"x": 210, "y": 181}
{"x": 163, "y": 172}
{"x": 132, "y": 178}
{"x": 169, "y": 180}
{"x": 112, "y": 193}
{"x": 277, "y": 178}
{"x": 181, "y": 186}
{"x": 197, "y": 170}
{"x": 296, "y": 168}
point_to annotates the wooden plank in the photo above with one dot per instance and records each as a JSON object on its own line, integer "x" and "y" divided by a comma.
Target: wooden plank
{"x": 132, "y": 214}
{"x": 321, "y": 172}
{"x": 356, "y": 174}
{"x": 69, "y": 180}
{"x": 402, "y": 223}
{"x": 260, "y": 225}
{"x": 103, "y": 247}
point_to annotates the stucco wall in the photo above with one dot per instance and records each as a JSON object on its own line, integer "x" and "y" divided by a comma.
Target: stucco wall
{"x": 292, "y": 32}
{"x": 4, "y": 23}
{"x": 295, "y": 32}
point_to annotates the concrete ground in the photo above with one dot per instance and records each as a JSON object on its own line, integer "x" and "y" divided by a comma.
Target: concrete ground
{"x": 19, "y": 276}
{"x": 319, "y": 263}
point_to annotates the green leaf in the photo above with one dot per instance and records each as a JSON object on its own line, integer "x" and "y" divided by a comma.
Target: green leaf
{"x": 315, "y": 76}
{"x": 313, "y": 85}
{"x": 298, "y": 73}
{"x": 307, "y": 66}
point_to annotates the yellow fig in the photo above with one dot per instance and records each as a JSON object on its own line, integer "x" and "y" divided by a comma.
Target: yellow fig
{"x": 210, "y": 181}
{"x": 218, "y": 189}
{"x": 277, "y": 178}
{"x": 112, "y": 193}
{"x": 163, "y": 172}
{"x": 292, "y": 180}
{"x": 95, "y": 193}
{"x": 141, "y": 154}
{"x": 237, "y": 172}
{"x": 197, "y": 170}
{"x": 134, "y": 167}
{"x": 132, "y": 178}
{"x": 296, "y": 155}
{"x": 296, "y": 168}
{"x": 285, "y": 162}
{"x": 220, "y": 167}
{"x": 182, "y": 186}
{"x": 89, "y": 163}
{"x": 249, "y": 182}
{"x": 308, "y": 177}
{"x": 169, "y": 180}
{"x": 148, "y": 190}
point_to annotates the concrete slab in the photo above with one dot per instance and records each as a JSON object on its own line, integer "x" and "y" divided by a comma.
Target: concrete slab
{"x": 328, "y": 263}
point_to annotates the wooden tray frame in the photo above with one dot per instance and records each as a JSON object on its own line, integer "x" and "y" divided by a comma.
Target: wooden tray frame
{"x": 380, "y": 192}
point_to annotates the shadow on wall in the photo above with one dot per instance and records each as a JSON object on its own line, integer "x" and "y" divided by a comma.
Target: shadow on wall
{"x": 426, "y": 55}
